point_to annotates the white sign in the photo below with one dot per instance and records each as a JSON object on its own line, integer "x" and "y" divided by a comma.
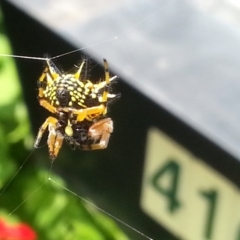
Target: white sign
{"x": 185, "y": 195}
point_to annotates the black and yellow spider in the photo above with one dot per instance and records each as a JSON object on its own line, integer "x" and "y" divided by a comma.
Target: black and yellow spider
{"x": 79, "y": 107}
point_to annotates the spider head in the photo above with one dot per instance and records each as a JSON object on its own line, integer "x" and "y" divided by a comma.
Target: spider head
{"x": 63, "y": 97}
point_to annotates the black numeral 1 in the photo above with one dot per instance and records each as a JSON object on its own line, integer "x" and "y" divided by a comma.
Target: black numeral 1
{"x": 212, "y": 197}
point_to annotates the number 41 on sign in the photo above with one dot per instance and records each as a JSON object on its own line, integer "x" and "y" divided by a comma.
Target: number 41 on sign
{"x": 185, "y": 195}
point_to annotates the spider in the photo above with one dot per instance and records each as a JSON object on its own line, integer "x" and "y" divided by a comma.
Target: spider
{"x": 79, "y": 107}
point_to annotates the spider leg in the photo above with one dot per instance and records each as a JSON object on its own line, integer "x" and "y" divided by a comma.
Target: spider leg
{"x": 55, "y": 139}
{"x": 42, "y": 129}
{"x": 107, "y": 81}
{"x": 84, "y": 113}
{"x": 100, "y": 130}
{"x": 105, "y": 85}
{"x": 49, "y": 75}
{"x": 47, "y": 105}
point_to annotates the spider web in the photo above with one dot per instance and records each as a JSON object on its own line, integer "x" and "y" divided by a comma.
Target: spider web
{"x": 29, "y": 193}
{"x": 48, "y": 179}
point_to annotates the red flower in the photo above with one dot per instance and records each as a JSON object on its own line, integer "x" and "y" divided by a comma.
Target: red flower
{"x": 19, "y": 231}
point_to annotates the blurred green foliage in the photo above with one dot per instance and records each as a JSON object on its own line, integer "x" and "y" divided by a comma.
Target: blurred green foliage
{"x": 30, "y": 197}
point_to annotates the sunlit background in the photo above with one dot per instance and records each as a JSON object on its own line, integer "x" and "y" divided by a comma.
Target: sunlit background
{"x": 171, "y": 170}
